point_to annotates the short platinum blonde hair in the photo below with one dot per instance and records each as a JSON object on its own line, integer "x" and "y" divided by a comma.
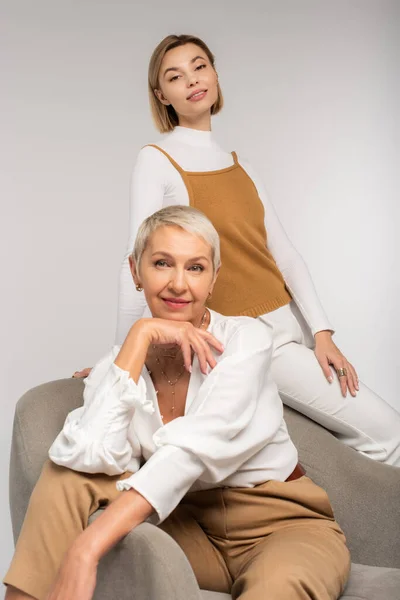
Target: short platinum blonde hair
{"x": 187, "y": 218}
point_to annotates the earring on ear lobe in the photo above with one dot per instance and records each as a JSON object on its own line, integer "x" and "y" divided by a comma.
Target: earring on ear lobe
{"x": 139, "y": 288}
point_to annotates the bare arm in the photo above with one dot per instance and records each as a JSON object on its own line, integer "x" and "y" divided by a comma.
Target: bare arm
{"x": 77, "y": 576}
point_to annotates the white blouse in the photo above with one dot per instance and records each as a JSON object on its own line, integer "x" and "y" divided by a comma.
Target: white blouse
{"x": 232, "y": 433}
{"x": 156, "y": 183}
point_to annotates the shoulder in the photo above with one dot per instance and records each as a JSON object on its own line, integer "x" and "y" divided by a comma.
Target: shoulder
{"x": 101, "y": 367}
{"x": 243, "y": 330}
{"x": 247, "y": 166}
{"x": 151, "y": 156}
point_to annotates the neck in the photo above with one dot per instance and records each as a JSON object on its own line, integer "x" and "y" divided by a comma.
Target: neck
{"x": 201, "y": 123}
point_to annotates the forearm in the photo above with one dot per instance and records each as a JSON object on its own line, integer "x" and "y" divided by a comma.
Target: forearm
{"x": 132, "y": 354}
{"x": 124, "y": 514}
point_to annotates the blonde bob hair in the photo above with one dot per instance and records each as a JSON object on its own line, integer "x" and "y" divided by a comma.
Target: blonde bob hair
{"x": 165, "y": 117}
{"x": 187, "y": 218}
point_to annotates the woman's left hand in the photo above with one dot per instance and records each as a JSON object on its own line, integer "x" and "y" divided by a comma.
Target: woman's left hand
{"x": 76, "y": 578}
{"x": 327, "y": 354}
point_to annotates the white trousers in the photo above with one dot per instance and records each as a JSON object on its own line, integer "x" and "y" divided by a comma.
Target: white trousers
{"x": 366, "y": 423}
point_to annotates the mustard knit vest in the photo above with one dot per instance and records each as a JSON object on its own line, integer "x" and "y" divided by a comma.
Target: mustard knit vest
{"x": 249, "y": 282}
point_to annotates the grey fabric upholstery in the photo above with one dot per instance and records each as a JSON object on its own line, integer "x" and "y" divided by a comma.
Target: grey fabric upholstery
{"x": 149, "y": 565}
{"x": 365, "y": 583}
{"x": 146, "y": 565}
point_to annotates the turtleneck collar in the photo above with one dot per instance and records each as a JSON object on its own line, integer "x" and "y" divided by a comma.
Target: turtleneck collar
{"x": 194, "y": 137}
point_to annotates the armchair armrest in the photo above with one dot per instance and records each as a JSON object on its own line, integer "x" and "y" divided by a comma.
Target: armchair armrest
{"x": 364, "y": 494}
{"x": 147, "y": 563}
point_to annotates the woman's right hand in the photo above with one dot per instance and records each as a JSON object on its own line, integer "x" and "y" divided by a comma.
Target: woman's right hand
{"x": 82, "y": 374}
{"x": 182, "y": 333}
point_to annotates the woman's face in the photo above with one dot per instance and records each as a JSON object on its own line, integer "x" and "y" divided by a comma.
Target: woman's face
{"x": 176, "y": 273}
{"x": 188, "y": 81}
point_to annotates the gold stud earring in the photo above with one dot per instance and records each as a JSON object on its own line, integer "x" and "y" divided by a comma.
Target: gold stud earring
{"x": 139, "y": 288}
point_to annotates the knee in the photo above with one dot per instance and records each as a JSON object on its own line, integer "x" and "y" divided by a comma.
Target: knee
{"x": 53, "y": 482}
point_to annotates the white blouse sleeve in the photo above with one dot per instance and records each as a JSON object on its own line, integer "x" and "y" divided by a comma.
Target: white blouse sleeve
{"x": 235, "y": 413}
{"x": 94, "y": 438}
{"x": 146, "y": 197}
{"x": 292, "y": 266}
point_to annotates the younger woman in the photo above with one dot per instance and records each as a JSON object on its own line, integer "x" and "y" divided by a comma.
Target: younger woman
{"x": 262, "y": 275}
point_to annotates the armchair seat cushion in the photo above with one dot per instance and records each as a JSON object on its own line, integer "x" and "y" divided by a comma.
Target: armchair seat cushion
{"x": 365, "y": 583}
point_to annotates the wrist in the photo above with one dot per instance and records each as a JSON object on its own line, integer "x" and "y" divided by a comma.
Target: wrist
{"x": 84, "y": 549}
{"x": 132, "y": 354}
{"x": 141, "y": 331}
{"x": 325, "y": 334}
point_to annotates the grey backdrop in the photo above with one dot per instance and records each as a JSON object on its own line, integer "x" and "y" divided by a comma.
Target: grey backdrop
{"x": 312, "y": 95}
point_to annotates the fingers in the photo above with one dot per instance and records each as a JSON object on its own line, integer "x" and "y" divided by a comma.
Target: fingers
{"x": 352, "y": 380}
{"x": 212, "y": 341}
{"x": 347, "y": 382}
{"x": 324, "y": 363}
{"x": 343, "y": 385}
{"x": 203, "y": 352}
{"x": 81, "y": 374}
{"x": 355, "y": 377}
{"x": 200, "y": 342}
{"x": 187, "y": 354}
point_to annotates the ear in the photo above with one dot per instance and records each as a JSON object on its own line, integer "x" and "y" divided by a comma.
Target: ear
{"x": 160, "y": 96}
{"x": 132, "y": 266}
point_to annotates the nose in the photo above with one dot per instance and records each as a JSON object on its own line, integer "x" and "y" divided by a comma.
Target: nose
{"x": 192, "y": 79}
{"x": 178, "y": 283}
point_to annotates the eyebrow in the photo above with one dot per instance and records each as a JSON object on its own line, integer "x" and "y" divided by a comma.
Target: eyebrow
{"x": 195, "y": 259}
{"x": 177, "y": 68}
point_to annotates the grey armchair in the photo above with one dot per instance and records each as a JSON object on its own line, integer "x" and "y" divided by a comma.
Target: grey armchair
{"x": 148, "y": 564}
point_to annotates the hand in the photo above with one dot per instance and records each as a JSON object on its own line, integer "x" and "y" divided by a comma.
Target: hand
{"x": 328, "y": 353}
{"x": 82, "y": 374}
{"x": 188, "y": 337}
{"x": 75, "y": 579}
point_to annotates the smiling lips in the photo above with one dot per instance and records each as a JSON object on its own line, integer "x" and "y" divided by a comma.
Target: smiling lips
{"x": 196, "y": 95}
{"x": 177, "y": 303}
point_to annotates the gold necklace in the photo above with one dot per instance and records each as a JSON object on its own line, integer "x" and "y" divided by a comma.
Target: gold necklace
{"x": 172, "y": 384}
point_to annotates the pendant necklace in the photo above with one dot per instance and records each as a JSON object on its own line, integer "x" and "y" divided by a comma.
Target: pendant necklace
{"x": 172, "y": 383}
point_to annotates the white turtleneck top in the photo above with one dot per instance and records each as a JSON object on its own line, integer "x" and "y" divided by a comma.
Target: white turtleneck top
{"x": 156, "y": 184}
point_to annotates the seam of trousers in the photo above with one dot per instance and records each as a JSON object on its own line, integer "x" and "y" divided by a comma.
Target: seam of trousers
{"x": 225, "y": 513}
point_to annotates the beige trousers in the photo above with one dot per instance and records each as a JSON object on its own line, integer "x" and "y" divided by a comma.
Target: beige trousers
{"x": 275, "y": 541}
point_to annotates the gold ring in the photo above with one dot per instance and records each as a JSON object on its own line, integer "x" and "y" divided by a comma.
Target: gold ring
{"x": 342, "y": 372}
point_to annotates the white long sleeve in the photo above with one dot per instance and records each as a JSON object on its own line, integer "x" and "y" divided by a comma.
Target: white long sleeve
{"x": 156, "y": 183}
{"x": 221, "y": 430}
{"x": 290, "y": 263}
{"x": 232, "y": 433}
{"x": 95, "y": 437}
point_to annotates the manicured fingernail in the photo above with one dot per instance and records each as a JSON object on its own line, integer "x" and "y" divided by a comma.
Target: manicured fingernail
{"x": 190, "y": 369}
{"x": 330, "y": 379}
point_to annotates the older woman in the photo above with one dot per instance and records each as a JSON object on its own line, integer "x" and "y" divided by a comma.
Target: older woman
{"x": 182, "y": 424}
